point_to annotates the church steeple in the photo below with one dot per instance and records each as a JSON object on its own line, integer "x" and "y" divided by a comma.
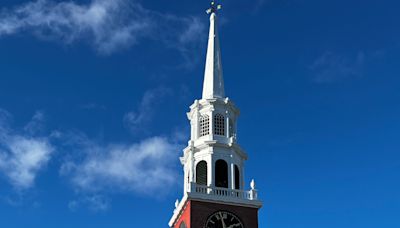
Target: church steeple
{"x": 213, "y": 86}
{"x": 214, "y": 192}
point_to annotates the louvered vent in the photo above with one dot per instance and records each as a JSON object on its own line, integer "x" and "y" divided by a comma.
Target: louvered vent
{"x": 201, "y": 173}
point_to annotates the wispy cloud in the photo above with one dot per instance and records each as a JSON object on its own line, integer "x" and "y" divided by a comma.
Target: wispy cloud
{"x": 331, "y": 67}
{"x": 102, "y": 21}
{"x": 22, "y": 155}
{"x": 136, "y": 120}
{"x": 95, "y": 203}
{"x": 143, "y": 167}
{"x": 260, "y": 5}
{"x": 36, "y": 124}
{"x": 191, "y": 39}
{"x": 108, "y": 25}
{"x": 94, "y": 168}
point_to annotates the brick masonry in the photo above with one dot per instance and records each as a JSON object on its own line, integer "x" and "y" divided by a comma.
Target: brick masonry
{"x": 185, "y": 216}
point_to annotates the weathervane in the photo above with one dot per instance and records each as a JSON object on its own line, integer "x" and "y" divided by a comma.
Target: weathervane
{"x": 214, "y": 7}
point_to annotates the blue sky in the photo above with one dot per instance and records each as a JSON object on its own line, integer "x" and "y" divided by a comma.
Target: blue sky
{"x": 93, "y": 96}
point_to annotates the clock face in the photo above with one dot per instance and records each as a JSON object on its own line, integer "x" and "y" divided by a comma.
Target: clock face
{"x": 223, "y": 219}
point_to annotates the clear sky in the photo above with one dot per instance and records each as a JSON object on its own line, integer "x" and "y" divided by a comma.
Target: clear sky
{"x": 94, "y": 95}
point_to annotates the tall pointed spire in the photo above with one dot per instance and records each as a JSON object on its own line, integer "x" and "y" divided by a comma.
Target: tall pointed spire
{"x": 213, "y": 86}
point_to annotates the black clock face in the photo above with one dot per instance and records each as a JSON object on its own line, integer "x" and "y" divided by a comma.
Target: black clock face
{"x": 223, "y": 219}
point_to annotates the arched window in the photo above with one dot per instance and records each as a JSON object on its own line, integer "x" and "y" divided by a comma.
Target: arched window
{"x": 237, "y": 177}
{"x": 201, "y": 173}
{"x": 183, "y": 225}
{"x": 219, "y": 124}
{"x": 221, "y": 174}
{"x": 204, "y": 125}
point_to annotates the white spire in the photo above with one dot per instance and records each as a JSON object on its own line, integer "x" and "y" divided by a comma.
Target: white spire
{"x": 213, "y": 86}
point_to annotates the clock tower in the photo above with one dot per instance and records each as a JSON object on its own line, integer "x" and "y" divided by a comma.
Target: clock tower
{"x": 213, "y": 162}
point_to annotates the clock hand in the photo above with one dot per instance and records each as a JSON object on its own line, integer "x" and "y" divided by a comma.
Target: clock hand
{"x": 222, "y": 219}
{"x": 235, "y": 225}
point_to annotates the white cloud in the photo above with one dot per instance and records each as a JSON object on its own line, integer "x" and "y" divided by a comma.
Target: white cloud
{"x": 96, "y": 203}
{"x": 36, "y": 124}
{"x": 22, "y": 156}
{"x": 136, "y": 120}
{"x": 331, "y": 67}
{"x": 191, "y": 39}
{"x": 103, "y": 21}
{"x": 191, "y": 34}
{"x": 108, "y": 25}
{"x": 144, "y": 167}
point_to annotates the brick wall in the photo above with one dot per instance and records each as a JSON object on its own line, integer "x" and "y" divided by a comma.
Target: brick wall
{"x": 185, "y": 216}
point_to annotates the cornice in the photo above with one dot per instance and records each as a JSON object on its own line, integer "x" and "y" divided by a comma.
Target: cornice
{"x": 215, "y": 143}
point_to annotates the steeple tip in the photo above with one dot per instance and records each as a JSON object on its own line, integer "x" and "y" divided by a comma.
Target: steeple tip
{"x": 213, "y": 76}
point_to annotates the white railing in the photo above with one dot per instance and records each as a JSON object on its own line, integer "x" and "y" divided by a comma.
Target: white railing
{"x": 224, "y": 192}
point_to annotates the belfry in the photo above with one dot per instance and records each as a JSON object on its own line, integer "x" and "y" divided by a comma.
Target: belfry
{"x": 214, "y": 194}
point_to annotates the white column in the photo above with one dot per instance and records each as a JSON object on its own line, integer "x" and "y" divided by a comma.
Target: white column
{"x": 212, "y": 125}
{"x": 227, "y": 125}
{"x": 191, "y": 162}
{"x": 234, "y": 129}
{"x": 232, "y": 176}
{"x": 241, "y": 168}
{"x": 211, "y": 171}
{"x": 185, "y": 181}
{"x": 195, "y": 127}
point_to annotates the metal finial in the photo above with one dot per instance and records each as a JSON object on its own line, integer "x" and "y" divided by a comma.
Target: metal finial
{"x": 253, "y": 184}
{"x": 214, "y": 7}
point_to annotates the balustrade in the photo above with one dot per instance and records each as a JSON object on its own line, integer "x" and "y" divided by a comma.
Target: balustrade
{"x": 224, "y": 192}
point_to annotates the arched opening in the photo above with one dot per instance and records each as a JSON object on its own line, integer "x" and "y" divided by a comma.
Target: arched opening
{"x": 219, "y": 124}
{"x": 183, "y": 225}
{"x": 201, "y": 173}
{"x": 221, "y": 174}
{"x": 237, "y": 177}
{"x": 204, "y": 125}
